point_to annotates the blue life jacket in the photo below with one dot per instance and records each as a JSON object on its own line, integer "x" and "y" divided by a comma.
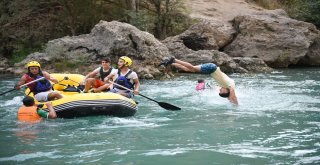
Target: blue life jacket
{"x": 124, "y": 81}
{"x": 41, "y": 86}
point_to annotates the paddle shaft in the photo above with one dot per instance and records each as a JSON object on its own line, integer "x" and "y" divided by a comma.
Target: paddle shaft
{"x": 133, "y": 91}
{"x": 22, "y": 85}
{"x": 164, "y": 105}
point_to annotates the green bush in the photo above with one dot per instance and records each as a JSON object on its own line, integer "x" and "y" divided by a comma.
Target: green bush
{"x": 304, "y": 10}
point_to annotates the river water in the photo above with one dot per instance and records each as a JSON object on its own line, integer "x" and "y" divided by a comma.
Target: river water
{"x": 277, "y": 122}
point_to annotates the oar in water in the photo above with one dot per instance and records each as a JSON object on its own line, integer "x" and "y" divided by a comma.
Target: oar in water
{"x": 164, "y": 105}
{"x": 22, "y": 85}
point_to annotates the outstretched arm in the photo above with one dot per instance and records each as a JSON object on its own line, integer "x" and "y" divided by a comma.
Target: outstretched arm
{"x": 91, "y": 74}
{"x": 52, "y": 114}
{"x": 49, "y": 77}
{"x": 232, "y": 97}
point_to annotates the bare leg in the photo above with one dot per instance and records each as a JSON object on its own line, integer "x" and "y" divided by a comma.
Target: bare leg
{"x": 186, "y": 66}
{"x": 89, "y": 83}
{"x": 54, "y": 96}
{"x": 102, "y": 88}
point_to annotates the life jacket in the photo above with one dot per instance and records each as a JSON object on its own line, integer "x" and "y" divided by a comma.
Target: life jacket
{"x": 28, "y": 114}
{"x": 104, "y": 74}
{"x": 200, "y": 86}
{"x": 123, "y": 80}
{"x": 39, "y": 86}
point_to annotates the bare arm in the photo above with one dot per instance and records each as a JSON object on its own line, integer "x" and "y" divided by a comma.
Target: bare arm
{"x": 89, "y": 75}
{"x": 49, "y": 77}
{"x": 136, "y": 86}
{"x": 21, "y": 82}
{"x": 232, "y": 97}
{"x": 52, "y": 113}
{"x": 107, "y": 79}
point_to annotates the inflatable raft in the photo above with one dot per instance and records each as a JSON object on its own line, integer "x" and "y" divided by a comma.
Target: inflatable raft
{"x": 77, "y": 104}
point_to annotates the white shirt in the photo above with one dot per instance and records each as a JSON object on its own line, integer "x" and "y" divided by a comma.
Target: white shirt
{"x": 222, "y": 79}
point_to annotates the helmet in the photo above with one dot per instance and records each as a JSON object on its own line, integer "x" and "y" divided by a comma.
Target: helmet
{"x": 127, "y": 60}
{"x": 33, "y": 63}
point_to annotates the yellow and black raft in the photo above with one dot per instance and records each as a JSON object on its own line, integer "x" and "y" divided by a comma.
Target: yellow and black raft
{"x": 77, "y": 104}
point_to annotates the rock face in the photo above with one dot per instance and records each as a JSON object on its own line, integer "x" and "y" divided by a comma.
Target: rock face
{"x": 4, "y": 65}
{"x": 207, "y": 35}
{"x": 200, "y": 44}
{"x": 275, "y": 38}
{"x": 107, "y": 39}
{"x": 252, "y": 43}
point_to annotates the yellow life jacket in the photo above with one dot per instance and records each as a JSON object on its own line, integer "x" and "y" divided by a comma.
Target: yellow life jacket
{"x": 28, "y": 114}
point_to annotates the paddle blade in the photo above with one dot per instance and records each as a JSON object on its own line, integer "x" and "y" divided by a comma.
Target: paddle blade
{"x": 168, "y": 106}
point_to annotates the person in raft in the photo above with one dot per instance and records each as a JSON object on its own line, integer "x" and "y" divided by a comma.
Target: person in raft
{"x": 95, "y": 79}
{"x": 125, "y": 77}
{"x": 30, "y": 112}
{"x": 42, "y": 89}
{"x": 227, "y": 85}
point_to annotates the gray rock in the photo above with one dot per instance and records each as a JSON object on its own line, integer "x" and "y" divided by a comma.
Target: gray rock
{"x": 206, "y": 35}
{"x": 4, "y": 64}
{"x": 277, "y": 39}
{"x": 252, "y": 64}
{"x": 199, "y": 45}
{"x": 107, "y": 39}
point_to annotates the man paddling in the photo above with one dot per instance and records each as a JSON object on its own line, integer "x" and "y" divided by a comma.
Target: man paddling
{"x": 42, "y": 89}
{"x": 125, "y": 77}
{"x": 227, "y": 85}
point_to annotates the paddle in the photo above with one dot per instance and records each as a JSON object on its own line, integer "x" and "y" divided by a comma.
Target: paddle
{"x": 164, "y": 105}
{"x": 22, "y": 85}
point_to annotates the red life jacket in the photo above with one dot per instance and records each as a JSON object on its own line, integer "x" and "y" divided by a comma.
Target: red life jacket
{"x": 39, "y": 86}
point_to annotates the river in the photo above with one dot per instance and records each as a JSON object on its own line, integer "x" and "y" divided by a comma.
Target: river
{"x": 277, "y": 122}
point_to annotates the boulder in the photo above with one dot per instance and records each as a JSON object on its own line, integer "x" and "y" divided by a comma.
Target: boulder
{"x": 107, "y": 39}
{"x": 252, "y": 64}
{"x": 206, "y": 35}
{"x": 277, "y": 39}
{"x": 4, "y": 64}
{"x": 200, "y": 43}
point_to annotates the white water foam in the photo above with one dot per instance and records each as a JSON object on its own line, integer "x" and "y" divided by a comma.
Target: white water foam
{"x": 23, "y": 157}
{"x": 15, "y": 101}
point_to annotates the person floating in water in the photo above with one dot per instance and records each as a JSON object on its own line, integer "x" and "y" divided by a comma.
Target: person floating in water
{"x": 201, "y": 85}
{"x": 30, "y": 112}
{"x": 227, "y": 85}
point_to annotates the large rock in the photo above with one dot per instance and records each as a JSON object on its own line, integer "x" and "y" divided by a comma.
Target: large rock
{"x": 107, "y": 39}
{"x": 200, "y": 43}
{"x": 277, "y": 39}
{"x": 252, "y": 64}
{"x": 4, "y": 64}
{"x": 206, "y": 35}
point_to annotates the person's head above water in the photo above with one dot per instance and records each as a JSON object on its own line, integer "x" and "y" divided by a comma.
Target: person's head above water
{"x": 201, "y": 85}
{"x": 201, "y": 81}
{"x": 28, "y": 101}
{"x": 224, "y": 92}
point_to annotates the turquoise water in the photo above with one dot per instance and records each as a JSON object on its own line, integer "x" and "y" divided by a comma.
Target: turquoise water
{"x": 277, "y": 122}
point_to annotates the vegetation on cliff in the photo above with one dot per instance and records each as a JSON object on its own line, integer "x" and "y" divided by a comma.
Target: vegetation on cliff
{"x": 26, "y": 25}
{"x": 305, "y": 10}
